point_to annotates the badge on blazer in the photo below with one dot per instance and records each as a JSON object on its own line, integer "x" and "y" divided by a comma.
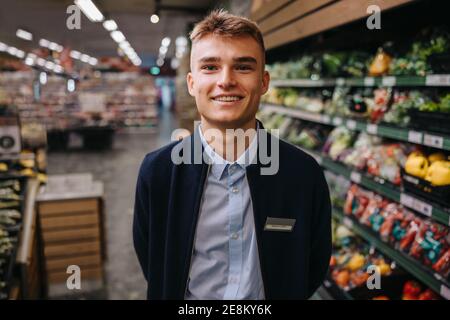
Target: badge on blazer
{"x": 279, "y": 224}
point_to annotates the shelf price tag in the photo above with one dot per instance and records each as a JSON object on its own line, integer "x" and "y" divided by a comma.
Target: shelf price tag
{"x": 326, "y": 118}
{"x": 433, "y": 141}
{"x": 423, "y": 207}
{"x": 340, "y": 81}
{"x": 351, "y": 124}
{"x": 445, "y": 292}
{"x": 337, "y": 121}
{"x": 347, "y": 222}
{"x": 388, "y": 81}
{"x": 438, "y": 80}
{"x": 369, "y": 81}
{"x": 415, "y": 137}
{"x": 355, "y": 177}
{"x": 372, "y": 129}
{"x": 406, "y": 200}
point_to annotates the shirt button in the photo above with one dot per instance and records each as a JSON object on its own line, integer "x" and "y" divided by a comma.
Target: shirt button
{"x": 235, "y": 190}
{"x": 234, "y": 236}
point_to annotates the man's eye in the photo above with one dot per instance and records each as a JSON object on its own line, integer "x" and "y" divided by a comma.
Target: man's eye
{"x": 209, "y": 68}
{"x": 244, "y": 67}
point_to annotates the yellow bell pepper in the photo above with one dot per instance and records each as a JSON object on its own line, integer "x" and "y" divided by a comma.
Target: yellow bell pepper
{"x": 439, "y": 173}
{"x": 438, "y": 156}
{"x": 416, "y": 165}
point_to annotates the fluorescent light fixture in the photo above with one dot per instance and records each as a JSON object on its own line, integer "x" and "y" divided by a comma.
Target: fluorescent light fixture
{"x": 59, "y": 48}
{"x": 85, "y": 58}
{"x": 49, "y": 65}
{"x": 71, "y": 85}
{"x": 179, "y": 54}
{"x": 12, "y": 51}
{"x": 110, "y": 25}
{"x": 3, "y": 47}
{"x": 43, "y": 77}
{"x": 32, "y": 56}
{"x": 163, "y": 50}
{"x": 154, "y": 18}
{"x": 155, "y": 71}
{"x": 90, "y": 10}
{"x": 58, "y": 69}
{"x": 20, "y": 54}
{"x": 29, "y": 61}
{"x": 53, "y": 46}
{"x": 93, "y": 61}
{"x": 175, "y": 63}
{"x": 25, "y": 35}
{"x": 160, "y": 62}
{"x": 124, "y": 44}
{"x": 75, "y": 54}
{"x": 44, "y": 43}
{"x": 41, "y": 62}
{"x": 129, "y": 51}
{"x": 181, "y": 41}
{"x": 165, "y": 42}
{"x": 117, "y": 36}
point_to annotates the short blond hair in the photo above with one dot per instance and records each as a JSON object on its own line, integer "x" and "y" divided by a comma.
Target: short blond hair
{"x": 221, "y": 22}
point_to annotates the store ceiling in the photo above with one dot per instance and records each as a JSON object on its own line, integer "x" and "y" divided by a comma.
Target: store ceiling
{"x": 47, "y": 19}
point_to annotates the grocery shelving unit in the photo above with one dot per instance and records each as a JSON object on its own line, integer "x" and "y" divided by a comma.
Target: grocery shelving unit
{"x": 430, "y": 139}
{"x": 428, "y": 277}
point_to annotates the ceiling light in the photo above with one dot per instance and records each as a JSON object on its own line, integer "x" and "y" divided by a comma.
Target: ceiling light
{"x": 58, "y": 69}
{"x": 90, "y": 10}
{"x": 75, "y": 54}
{"x": 31, "y": 56}
{"x": 163, "y": 50}
{"x": 160, "y": 62}
{"x": 175, "y": 63}
{"x": 110, "y": 25}
{"x": 29, "y": 61}
{"x": 155, "y": 71}
{"x": 3, "y": 47}
{"x": 20, "y": 54}
{"x": 129, "y": 51}
{"x": 165, "y": 42}
{"x": 117, "y": 36}
{"x": 181, "y": 41}
{"x": 25, "y": 35}
{"x": 179, "y": 54}
{"x": 44, "y": 43}
{"x": 124, "y": 45}
{"x": 154, "y": 18}
{"x": 93, "y": 61}
{"x": 12, "y": 51}
{"x": 59, "y": 48}
{"x": 71, "y": 85}
{"x": 41, "y": 62}
{"x": 85, "y": 58}
{"x": 53, "y": 46}
{"x": 49, "y": 65}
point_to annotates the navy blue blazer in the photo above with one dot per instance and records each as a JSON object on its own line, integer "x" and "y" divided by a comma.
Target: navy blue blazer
{"x": 168, "y": 195}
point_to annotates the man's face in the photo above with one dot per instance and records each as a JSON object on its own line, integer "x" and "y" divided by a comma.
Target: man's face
{"x": 227, "y": 79}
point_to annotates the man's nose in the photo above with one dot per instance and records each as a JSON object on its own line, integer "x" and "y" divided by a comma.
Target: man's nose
{"x": 226, "y": 79}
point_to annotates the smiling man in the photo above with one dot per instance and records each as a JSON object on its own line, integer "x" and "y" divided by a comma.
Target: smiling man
{"x": 216, "y": 226}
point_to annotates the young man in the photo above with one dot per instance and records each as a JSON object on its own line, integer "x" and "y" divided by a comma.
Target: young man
{"x": 218, "y": 226}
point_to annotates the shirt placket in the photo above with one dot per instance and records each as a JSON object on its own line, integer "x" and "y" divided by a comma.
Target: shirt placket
{"x": 235, "y": 214}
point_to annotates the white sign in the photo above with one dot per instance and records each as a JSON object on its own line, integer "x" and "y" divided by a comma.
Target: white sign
{"x": 92, "y": 102}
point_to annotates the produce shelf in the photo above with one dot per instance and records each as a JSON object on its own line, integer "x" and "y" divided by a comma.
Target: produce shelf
{"x": 435, "y": 140}
{"x": 435, "y": 80}
{"x": 428, "y": 277}
{"x": 384, "y": 188}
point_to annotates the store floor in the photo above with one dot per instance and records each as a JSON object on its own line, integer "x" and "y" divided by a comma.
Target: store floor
{"x": 117, "y": 169}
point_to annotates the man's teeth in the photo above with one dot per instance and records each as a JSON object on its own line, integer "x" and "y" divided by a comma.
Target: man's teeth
{"x": 228, "y": 98}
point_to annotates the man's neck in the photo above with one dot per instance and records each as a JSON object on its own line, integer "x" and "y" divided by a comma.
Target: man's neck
{"x": 229, "y": 143}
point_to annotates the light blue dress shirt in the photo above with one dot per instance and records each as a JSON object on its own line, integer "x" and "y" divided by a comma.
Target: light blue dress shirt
{"x": 225, "y": 261}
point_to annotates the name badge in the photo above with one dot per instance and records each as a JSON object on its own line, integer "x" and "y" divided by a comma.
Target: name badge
{"x": 279, "y": 224}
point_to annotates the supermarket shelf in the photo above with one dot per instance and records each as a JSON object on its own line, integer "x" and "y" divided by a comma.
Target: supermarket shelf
{"x": 434, "y": 140}
{"x": 385, "y": 188}
{"x": 435, "y": 80}
{"x": 428, "y": 277}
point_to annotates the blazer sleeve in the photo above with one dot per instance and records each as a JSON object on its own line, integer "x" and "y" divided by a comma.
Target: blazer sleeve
{"x": 141, "y": 218}
{"x": 320, "y": 251}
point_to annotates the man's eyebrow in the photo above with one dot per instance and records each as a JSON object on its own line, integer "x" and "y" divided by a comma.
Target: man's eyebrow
{"x": 245, "y": 59}
{"x": 209, "y": 59}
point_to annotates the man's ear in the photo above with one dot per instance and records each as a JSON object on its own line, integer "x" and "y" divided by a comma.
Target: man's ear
{"x": 190, "y": 83}
{"x": 265, "y": 81}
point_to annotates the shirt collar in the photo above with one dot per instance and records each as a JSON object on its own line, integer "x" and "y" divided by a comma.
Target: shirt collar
{"x": 219, "y": 164}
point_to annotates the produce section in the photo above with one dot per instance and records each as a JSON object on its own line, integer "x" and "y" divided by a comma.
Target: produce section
{"x": 377, "y": 121}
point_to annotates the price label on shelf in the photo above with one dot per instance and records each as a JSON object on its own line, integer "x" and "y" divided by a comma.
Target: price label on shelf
{"x": 406, "y": 200}
{"x": 340, "y": 81}
{"x": 438, "y": 80}
{"x": 351, "y": 124}
{"x": 337, "y": 121}
{"x": 415, "y": 137}
{"x": 445, "y": 292}
{"x": 355, "y": 177}
{"x": 388, "y": 81}
{"x": 347, "y": 222}
{"x": 423, "y": 207}
{"x": 433, "y": 141}
{"x": 372, "y": 129}
{"x": 326, "y": 118}
{"x": 369, "y": 81}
